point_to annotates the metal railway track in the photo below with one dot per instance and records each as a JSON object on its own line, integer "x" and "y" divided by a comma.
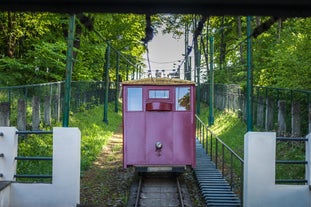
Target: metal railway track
{"x": 159, "y": 191}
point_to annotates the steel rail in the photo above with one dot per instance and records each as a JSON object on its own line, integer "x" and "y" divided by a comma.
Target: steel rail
{"x": 180, "y": 193}
{"x": 138, "y": 192}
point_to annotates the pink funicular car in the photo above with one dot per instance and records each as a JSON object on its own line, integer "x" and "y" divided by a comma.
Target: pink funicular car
{"x": 158, "y": 124}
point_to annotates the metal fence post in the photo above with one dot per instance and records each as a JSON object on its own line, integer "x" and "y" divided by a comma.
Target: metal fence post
{"x": 127, "y": 72}
{"x": 211, "y": 80}
{"x": 117, "y": 83}
{"x": 249, "y": 107}
{"x": 106, "y": 78}
{"x": 69, "y": 66}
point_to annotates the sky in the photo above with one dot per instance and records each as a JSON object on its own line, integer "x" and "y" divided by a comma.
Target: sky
{"x": 164, "y": 51}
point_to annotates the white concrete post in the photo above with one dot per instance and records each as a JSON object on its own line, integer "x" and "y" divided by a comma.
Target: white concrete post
{"x": 259, "y": 167}
{"x": 260, "y": 189}
{"x": 308, "y": 159}
{"x": 65, "y": 188}
{"x": 66, "y": 164}
{"x": 8, "y": 147}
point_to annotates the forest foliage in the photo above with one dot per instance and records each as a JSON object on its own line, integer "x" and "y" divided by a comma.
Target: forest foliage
{"x": 33, "y": 47}
{"x": 281, "y": 54}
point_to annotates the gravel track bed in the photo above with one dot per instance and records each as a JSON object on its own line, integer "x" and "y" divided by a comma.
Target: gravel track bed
{"x": 107, "y": 184}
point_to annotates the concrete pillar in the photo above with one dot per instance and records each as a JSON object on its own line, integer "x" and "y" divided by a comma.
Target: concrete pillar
{"x": 260, "y": 113}
{"x": 8, "y": 146}
{"x": 55, "y": 102}
{"x": 66, "y": 163}
{"x": 242, "y": 109}
{"x": 296, "y": 119}
{"x": 224, "y": 100}
{"x": 281, "y": 118}
{"x": 216, "y": 101}
{"x": 260, "y": 189}
{"x": 5, "y": 114}
{"x": 308, "y": 159}
{"x": 236, "y": 98}
{"x": 269, "y": 115}
{"x": 64, "y": 191}
{"x": 47, "y": 110}
{"x": 227, "y": 99}
{"x": 258, "y": 174}
{"x": 21, "y": 115}
{"x": 56, "y": 108}
{"x": 35, "y": 113}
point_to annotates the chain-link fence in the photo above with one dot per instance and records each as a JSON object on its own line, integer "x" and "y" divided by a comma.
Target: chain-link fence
{"x": 286, "y": 111}
{"x": 29, "y": 106}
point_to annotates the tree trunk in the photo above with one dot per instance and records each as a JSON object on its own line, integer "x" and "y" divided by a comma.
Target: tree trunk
{"x": 10, "y": 36}
{"x": 76, "y": 42}
{"x": 205, "y": 47}
{"x": 222, "y": 55}
{"x": 240, "y": 36}
{"x": 258, "y": 21}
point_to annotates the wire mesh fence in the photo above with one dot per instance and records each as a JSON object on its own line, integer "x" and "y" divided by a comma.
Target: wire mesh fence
{"x": 286, "y": 111}
{"x": 34, "y": 106}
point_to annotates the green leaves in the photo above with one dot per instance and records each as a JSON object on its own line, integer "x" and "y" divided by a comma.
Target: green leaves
{"x": 12, "y": 71}
{"x": 34, "y": 45}
{"x": 285, "y": 59}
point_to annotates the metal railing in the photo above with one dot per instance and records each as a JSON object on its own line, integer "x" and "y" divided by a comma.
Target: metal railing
{"x": 30, "y": 177}
{"x": 226, "y": 160}
{"x": 294, "y": 176}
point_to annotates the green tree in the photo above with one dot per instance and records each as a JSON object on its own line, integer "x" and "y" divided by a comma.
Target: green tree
{"x": 34, "y": 45}
{"x": 287, "y": 58}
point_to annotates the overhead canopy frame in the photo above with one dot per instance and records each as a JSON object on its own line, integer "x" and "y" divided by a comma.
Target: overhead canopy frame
{"x": 286, "y": 8}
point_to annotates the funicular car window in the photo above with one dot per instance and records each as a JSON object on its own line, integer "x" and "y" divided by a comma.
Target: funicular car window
{"x": 158, "y": 93}
{"x": 182, "y": 98}
{"x": 134, "y": 99}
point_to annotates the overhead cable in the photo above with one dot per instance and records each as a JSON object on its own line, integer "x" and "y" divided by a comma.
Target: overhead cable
{"x": 148, "y": 37}
{"x": 88, "y": 23}
{"x": 197, "y": 32}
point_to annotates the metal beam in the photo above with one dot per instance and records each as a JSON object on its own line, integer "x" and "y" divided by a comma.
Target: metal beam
{"x": 209, "y": 7}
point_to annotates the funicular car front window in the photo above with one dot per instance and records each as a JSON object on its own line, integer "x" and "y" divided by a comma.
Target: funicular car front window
{"x": 159, "y": 94}
{"x": 134, "y": 99}
{"x": 182, "y": 98}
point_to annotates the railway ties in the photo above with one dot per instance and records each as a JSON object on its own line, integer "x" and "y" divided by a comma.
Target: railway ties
{"x": 160, "y": 191}
{"x": 215, "y": 189}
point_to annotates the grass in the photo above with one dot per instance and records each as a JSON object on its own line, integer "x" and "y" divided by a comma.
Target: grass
{"x": 290, "y": 151}
{"x": 35, "y": 146}
{"x": 94, "y": 134}
{"x": 228, "y": 127}
{"x": 94, "y": 131}
{"x": 231, "y": 130}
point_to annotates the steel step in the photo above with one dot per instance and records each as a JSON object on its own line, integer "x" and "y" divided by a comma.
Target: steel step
{"x": 214, "y": 187}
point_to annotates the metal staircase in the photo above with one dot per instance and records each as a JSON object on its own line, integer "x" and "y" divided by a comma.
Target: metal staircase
{"x": 215, "y": 189}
